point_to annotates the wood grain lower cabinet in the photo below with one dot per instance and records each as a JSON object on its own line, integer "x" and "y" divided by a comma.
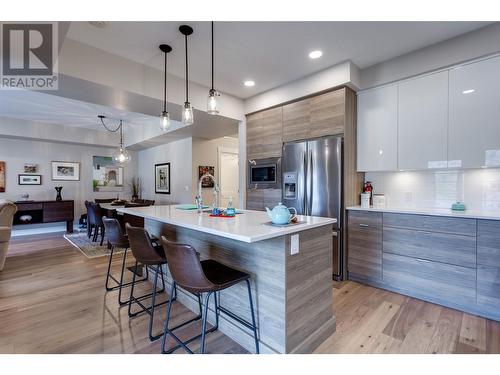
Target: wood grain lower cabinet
{"x": 364, "y": 241}
{"x": 259, "y": 199}
{"x": 452, "y": 225}
{"x": 433, "y": 281}
{"x": 451, "y": 261}
{"x": 488, "y": 288}
{"x": 434, "y": 246}
{"x": 488, "y": 243}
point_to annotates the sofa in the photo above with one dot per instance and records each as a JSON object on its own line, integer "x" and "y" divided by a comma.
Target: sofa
{"x": 7, "y": 211}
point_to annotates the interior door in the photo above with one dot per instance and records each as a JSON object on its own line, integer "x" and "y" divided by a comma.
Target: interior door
{"x": 228, "y": 177}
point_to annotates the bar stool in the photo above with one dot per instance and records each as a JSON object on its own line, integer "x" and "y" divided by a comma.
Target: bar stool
{"x": 207, "y": 276}
{"x": 117, "y": 239}
{"x": 151, "y": 256}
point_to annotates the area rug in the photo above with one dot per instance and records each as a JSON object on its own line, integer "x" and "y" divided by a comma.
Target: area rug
{"x": 87, "y": 247}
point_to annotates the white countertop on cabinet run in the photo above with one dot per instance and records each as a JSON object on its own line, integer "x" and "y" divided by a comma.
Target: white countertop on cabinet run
{"x": 247, "y": 227}
{"x": 470, "y": 214}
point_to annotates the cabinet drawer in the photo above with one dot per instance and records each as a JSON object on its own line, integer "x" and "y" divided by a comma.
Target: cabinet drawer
{"x": 364, "y": 241}
{"x": 57, "y": 211}
{"x": 453, "y": 225}
{"x": 488, "y": 287}
{"x": 364, "y": 219}
{"x": 28, "y": 206}
{"x": 437, "y": 282}
{"x": 488, "y": 243}
{"x": 435, "y": 246}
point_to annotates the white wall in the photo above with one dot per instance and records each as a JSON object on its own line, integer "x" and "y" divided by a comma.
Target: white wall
{"x": 341, "y": 74}
{"x": 479, "y": 189}
{"x": 478, "y": 43}
{"x": 16, "y": 153}
{"x": 205, "y": 153}
{"x": 179, "y": 155}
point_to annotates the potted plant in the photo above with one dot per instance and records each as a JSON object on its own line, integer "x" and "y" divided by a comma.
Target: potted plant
{"x": 135, "y": 187}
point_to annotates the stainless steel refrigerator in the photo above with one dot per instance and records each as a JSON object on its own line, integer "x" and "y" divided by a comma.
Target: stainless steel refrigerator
{"x": 312, "y": 183}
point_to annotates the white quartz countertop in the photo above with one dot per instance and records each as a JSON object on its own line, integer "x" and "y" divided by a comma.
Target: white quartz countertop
{"x": 247, "y": 227}
{"x": 471, "y": 214}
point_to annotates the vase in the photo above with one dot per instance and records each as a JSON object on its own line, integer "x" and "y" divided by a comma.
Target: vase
{"x": 58, "y": 196}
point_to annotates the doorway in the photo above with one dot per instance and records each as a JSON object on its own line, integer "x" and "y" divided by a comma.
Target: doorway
{"x": 228, "y": 166}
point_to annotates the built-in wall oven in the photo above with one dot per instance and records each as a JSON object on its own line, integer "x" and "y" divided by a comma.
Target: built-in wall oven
{"x": 264, "y": 173}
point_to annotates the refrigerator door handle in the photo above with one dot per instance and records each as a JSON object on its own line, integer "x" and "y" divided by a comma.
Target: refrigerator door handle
{"x": 311, "y": 183}
{"x": 306, "y": 176}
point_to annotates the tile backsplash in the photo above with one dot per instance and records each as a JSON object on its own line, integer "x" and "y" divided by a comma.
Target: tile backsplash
{"x": 479, "y": 189}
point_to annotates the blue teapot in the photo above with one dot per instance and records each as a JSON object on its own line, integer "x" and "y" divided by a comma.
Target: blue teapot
{"x": 281, "y": 215}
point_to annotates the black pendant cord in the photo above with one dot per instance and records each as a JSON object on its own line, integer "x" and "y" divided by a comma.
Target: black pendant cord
{"x": 212, "y": 55}
{"x": 187, "y": 76}
{"x": 101, "y": 117}
{"x": 121, "y": 134}
{"x": 165, "y": 86}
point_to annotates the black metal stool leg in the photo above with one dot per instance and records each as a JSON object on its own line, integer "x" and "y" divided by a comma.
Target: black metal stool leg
{"x": 109, "y": 269}
{"x": 120, "y": 302}
{"x": 254, "y": 326}
{"x": 167, "y": 320}
{"x": 204, "y": 323}
{"x": 132, "y": 293}
{"x": 153, "y": 301}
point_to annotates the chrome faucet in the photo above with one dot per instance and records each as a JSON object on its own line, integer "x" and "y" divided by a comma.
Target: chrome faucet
{"x": 216, "y": 192}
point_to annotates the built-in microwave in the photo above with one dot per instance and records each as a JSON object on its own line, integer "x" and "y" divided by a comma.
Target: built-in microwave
{"x": 264, "y": 173}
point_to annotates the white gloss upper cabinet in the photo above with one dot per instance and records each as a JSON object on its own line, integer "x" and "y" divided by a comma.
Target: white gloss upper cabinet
{"x": 378, "y": 129}
{"x": 474, "y": 125}
{"x": 423, "y": 122}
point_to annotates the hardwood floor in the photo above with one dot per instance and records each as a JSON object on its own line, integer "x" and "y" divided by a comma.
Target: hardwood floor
{"x": 52, "y": 300}
{"x": 371, "y": 320}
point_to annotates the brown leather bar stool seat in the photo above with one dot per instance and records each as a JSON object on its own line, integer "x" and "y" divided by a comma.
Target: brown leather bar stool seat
{"x": 197, "y": 277}
{"x": 117, "y": 239}
{"x": 150, "y": 256}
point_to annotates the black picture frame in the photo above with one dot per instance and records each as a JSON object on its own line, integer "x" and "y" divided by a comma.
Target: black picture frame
{"x": 162, "y": 178}
{"x": 36, "y": 183}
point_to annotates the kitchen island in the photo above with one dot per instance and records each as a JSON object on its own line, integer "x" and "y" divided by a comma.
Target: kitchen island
{"x": 293, "y": 292}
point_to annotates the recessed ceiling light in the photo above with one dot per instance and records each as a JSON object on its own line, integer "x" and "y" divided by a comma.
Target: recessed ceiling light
{"x": 99, "y": 24}
{"x": 470, "y": 91}
{"x": 249, "y": 83}
{"x": 315, "y": 54}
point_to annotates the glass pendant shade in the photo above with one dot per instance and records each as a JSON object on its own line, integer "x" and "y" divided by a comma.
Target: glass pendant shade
{"x": 121, "y": 155}
{"x": 165, "y": 121}
{"x": 187, "y": 114}
{"x": 212, "y": 102}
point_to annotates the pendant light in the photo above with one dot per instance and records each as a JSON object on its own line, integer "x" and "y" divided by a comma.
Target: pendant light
{"x": 121, "y": 155}
{"x": 187, "y": 111}
{"x": 212, "y": 93}
{"x": 165, "y": 116}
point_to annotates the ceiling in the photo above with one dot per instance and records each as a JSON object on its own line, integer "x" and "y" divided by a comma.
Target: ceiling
{"x": 40, "y": 107}
{"x": 270, "y": 53}
{"x": 53, "y": 109}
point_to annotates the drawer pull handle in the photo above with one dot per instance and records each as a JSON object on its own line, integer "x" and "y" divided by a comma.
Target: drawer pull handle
{"x": 364, "y": 225}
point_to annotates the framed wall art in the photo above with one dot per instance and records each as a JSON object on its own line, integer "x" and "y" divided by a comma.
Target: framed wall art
{"x": 29, "y": 179}
{"x": 65, "y": 171}
{"x": 106, "y": 175}
{"x": 162, "y": 178}
{"x": 207, "y": 182}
